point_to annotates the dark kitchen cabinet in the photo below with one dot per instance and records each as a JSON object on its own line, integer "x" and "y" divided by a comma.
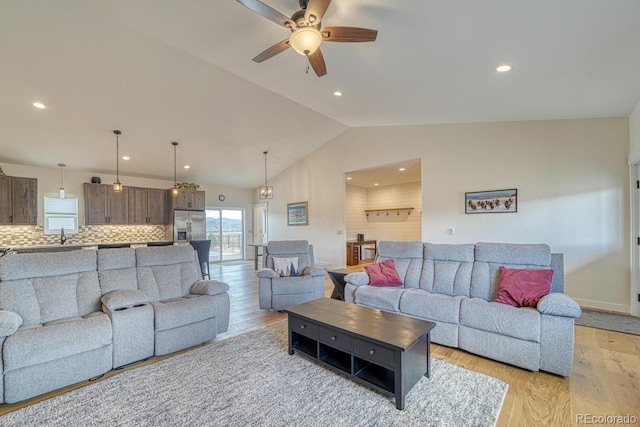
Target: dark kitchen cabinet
{"x": 187, "y": 199}
{"x": 105, "y": 206}
{"x": 18, "y": 201}
{"x": 147, "y": 205}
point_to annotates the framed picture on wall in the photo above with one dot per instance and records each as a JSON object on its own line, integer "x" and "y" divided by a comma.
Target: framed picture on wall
{"x": 297, "y": 213}
{"x": 493, "y": 201}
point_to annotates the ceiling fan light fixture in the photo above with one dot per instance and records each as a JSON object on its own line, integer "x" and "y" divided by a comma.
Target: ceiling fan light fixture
{"x": 305, "y": 40}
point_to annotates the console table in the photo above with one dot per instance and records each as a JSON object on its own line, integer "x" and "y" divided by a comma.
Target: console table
{"x": 354, "y": 250}
{"x": 257, "y": 254}
{"x": 386, "y": 351}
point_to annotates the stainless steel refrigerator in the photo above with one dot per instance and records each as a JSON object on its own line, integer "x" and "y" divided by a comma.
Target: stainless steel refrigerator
{"x": 189, "y": 225}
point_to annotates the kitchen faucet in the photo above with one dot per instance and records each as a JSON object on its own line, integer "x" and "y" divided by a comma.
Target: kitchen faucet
{"x": 62, "y": 236}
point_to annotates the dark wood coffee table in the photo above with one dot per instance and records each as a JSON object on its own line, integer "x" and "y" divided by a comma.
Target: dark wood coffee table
{"x": 386, "y": 351}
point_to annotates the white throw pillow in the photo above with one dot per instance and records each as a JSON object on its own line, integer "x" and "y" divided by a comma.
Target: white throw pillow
{"x": 285, "y": 267}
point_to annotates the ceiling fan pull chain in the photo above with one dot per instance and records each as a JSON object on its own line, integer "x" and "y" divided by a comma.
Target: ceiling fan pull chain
{"x": 307, "y": 71}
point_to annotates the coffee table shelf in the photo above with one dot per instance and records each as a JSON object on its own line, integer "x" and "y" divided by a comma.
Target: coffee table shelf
{"x": 385, "y": 351}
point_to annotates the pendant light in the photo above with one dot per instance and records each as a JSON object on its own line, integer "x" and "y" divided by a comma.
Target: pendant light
{"x": 266, "y": 191}
{"x": 117, "y": 186}
{"x": 174, "y": 190}
{"x": 61, "y": 165}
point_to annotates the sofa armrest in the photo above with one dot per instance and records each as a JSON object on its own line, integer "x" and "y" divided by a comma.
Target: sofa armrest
{"x": 209, "y": 287}
{"x": 557, "y": 304}
{"x": 123, "y": 298}
{"x": 312, "y": 271}
{"x": 357, "y": 279}
{"x": 267, "y": 273}
{"x": 9, "y": 322}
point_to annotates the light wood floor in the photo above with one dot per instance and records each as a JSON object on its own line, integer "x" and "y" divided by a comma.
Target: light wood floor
{"x": 605, "y": 378}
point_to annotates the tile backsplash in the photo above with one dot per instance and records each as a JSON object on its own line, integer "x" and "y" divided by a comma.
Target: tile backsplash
{"x": 29, "y": 235}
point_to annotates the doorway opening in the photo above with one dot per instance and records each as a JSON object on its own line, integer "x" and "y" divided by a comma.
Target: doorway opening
{"x": 382, "y": 203}
{"x": 225, "y": 230}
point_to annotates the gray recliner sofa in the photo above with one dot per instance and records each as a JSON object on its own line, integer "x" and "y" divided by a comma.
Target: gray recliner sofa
{"x": 278, "y": 293}
{"x": 455, "y": 286}
{"x": 70, "y": 316}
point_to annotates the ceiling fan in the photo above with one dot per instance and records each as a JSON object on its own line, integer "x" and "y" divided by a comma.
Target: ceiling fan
{"x": 306, "y": 33}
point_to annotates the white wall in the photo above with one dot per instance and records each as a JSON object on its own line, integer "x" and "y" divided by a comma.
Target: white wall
{"x": 571, "y": 175}
{"x": 634, "y": 135}
{"x": 379, "y": 225}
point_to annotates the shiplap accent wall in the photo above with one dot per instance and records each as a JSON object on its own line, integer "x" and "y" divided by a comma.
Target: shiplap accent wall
{"x": 384, "y": 227}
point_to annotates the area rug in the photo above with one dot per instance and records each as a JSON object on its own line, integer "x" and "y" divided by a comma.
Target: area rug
{"x": 609, "y": 321}
{"x": 251, "y": 380}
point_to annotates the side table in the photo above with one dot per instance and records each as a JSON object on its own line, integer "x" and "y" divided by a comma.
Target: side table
{"x": 337, "y": 277}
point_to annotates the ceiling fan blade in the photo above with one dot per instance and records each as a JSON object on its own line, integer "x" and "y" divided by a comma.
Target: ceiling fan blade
{"x": 268, "y": 12}
{"x": 348, "y": 34}
{"x": 272, "y": 51}
{"x": 317, "y": 63}
{"x": 315, "y": 10}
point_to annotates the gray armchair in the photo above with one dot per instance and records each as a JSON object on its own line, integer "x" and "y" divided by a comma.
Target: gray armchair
{"x": 277, "y": 289}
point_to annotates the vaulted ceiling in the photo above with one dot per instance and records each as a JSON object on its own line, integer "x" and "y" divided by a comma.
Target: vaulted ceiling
{"x": 171, "y": 70}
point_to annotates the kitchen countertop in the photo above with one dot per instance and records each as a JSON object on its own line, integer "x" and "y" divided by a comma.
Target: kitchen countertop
{"x": 45, "y": 248}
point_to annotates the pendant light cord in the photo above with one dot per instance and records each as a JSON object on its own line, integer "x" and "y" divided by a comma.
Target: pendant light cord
{"x": 265, "y": 169}
{"x": 118, "y": 156}
{"x": 175, "y": 167}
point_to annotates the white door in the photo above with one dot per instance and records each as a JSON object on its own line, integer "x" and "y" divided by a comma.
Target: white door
{"x": 260, "y": 235}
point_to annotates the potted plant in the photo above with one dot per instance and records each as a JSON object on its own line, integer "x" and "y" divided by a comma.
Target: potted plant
{"x": 187, "y": 186}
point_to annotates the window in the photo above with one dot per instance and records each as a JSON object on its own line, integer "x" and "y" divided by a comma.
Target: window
{"x": 60, "y": 214}
{"x": 225, "y": 229}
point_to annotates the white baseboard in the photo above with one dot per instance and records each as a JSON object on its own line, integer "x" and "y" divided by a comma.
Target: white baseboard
{"x": 620, "y": 308}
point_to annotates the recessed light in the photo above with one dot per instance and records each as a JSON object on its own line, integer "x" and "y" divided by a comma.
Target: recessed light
{"x": 503, "y": 68}
{"x": 376, "y": 184}
{"x": 337, "y": 93}
{"x": 349, "y": 178}
{"x": 39, "y": 105}
{"x": 187, "y": 167}
{"x": 402, "y": 169}
{"x": 126, "y": 158}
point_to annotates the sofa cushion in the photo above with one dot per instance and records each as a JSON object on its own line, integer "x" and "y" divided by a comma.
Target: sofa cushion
{"x": 9, "y": 323}
{"x": 502, "y": 319}
{"x": 70, "y": 290}
{"x": 285, "y": 267}
{"x": 383, "y": 274}
{"x": 177, "y": 312}
{"x": 117, "y": 269}
{"x": 447, "y": 268}
{"x": 523, "y": 288}
{"x": 123, "y": 298}
{"x": 556, "y": 304}
{"x": 32, "y": 345}
{"x": 513, "y": 253}
{"x": 209, "y": 287}
{"x": 23, "y": 266}
{"x": 407, "y": 257}
{"x": 491, "y": 256}
{"x": 290, "y": 248}
{"x": 427, "y": 305}
{"x": 291, "y": 285}
{"x": 387, "y": 299}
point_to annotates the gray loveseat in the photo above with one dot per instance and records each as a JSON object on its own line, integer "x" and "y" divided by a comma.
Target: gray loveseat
{"x": 70, "y": 316}
{"x": 455, "y": 286}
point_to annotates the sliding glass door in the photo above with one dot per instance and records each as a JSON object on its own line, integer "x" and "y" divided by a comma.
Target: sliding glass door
{"x": 225, "y": 229}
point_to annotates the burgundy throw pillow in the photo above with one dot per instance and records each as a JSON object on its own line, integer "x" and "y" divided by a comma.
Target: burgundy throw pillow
{"x": 383, "y": 274}
{"x": 523, "y": 288}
